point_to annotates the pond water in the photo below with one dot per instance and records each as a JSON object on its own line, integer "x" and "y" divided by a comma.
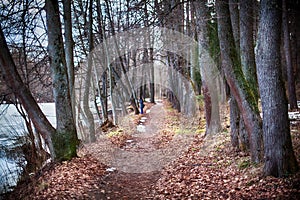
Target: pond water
{"x": 12, "y": 127}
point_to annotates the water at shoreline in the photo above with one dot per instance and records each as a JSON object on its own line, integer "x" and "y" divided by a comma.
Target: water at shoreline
{"x": 12, "y": 127}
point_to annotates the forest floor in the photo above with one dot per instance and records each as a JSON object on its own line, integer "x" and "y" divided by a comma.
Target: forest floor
{"x": 154, "y": 156}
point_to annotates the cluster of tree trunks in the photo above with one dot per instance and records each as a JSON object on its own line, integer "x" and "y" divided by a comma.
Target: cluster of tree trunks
{"x": 225, "y": 47}
{"x": 269, "y": 139}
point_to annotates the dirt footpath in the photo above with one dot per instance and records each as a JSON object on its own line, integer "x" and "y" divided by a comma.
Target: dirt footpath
{"x": 135, "y": 167}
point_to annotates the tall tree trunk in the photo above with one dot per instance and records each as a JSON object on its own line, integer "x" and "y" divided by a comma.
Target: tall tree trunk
{"x": 239, "y": 126}
{"x": 288, "y": 58}
{"x": 208, "y": 69}
{"x": 151, "y": 57}
{"x": 173, "y": 19}
{"x": 235, "y": 19}
{"x": 292, "y": 7}
{"x": 237, "y": 83}
{"x": 14, "y": 82}
{"x": 234, "y": 123}
{"x": 109, "y": 66}
{"x": 69, "y": 44}
{"x": 247, "y": 45}
{"x": 103, "y": 97}
{"x": 65, "y": 139}
{"x": 246, "y": 49}
{"x": 102, "y": 89}
{"x": 297, "y": 10}
{"x": 87, "y": 85}
{"x": 152, "y": 86}
{"x": 279, "y": 155}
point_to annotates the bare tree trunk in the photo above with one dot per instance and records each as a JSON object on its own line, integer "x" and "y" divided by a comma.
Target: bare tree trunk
{"x": 297, "y": 13}
{"x": 240, "y": 129}
{"x": 104, "y": 97}
{"x": 102, "y": 89}
{"x": 109, "y": 67}
{"x": 110, "y": 75}
{"x": 288, "y": 58}
{"x": 235, "y": 19}
{"x": 69, "y": 50}
{"x": 65, "y": 140}
{"x": 87, "y": 85}
{"x": 234, "y": 123}
{"x": 238, "y": 85}
{"x": 151, "y": 57}
{"x": 208, "y": 69}
{"x": 279, "y": 154}
{"x": 81, "y": 129}
{"x": 245, "y": 45}
{"x": 152, "y": 86}
{"x": 292, "y": 7}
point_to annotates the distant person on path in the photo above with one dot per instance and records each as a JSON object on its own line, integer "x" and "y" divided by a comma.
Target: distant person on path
{"x": 142, "y": 105}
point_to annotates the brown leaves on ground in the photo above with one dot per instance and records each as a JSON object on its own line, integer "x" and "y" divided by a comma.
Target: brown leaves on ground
{"x": 119, "y": 137}
{"x": 210, "y": 169}
{"x": 75, "y": 179}
{"x": 221, "y": 173}
{"x": 107, "y": 125}
{"x": 171, "y": 123}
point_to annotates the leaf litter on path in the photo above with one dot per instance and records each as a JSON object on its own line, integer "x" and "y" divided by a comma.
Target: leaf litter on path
{"x": 209, "y": 169}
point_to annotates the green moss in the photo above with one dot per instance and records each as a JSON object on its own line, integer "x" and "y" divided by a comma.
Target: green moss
{"x": 242, "y": 82}
{"x": 65, "y": 145}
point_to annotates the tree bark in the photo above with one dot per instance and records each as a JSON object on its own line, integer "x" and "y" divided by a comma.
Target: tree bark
{"x": 240, "y": 127}
{"x": 69, "y": 44}
{"x": 235, "y": 19}
{"x": 152, "y": 86}
{"x": 292, "y": 8}
{"x": 234, "y": 123}
{"x": 238, "y": 85}
{"x": 288, "y": 58}
{"x": 87, "y": 84}
{"x": 103, "y": 89}
{"x": 247, "y": 45}
{"x": 208, "y": 69}
{"x": 279, "y": 155}
{"x": 65, "y": 139}
{"x": 297, "y": 13}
